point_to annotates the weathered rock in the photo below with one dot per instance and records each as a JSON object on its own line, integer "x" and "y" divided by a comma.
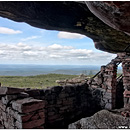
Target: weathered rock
{"x": 101, "y": 120}
{"x": 81, "y": 79}
{"x": 30, "y": 124}
{"x": 8, "y": 120}
{"x": 72, "y": 17}
{"x": 114, "y": 13}
{"x": 1, "y": 126}
{"x": 40, "y": 127}
{"x": 27, "y": 105}
{"x": 8, "y": 98}
{"x": 10, "y": 90}
{"x": 33, "y": 92}
{"x": 38, "y": 114}
{"x": 2, "y": 106}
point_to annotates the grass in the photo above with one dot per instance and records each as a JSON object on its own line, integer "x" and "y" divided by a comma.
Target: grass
{"x": 39, "y": 81}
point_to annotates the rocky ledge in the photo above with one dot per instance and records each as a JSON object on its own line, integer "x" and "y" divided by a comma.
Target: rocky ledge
{"x": 102, "y": 120}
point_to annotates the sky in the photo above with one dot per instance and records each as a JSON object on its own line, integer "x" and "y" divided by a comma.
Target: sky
{"x": 21, "y": 43}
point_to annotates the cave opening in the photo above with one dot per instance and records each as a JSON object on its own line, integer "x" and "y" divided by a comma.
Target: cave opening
{"x": 61, "y": 104}
{"x": 70, "y": 102}
{"x": 23, "y": 47}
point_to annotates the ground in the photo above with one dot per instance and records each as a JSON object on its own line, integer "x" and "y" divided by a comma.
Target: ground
{"x": 39, "y": 81}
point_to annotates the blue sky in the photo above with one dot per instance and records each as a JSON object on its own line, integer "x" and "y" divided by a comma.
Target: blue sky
{"x": 21, "y": 43}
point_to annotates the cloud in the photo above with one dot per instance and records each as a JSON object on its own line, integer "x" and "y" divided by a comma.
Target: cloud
{"x": 57, "y": 47}
{"x": 67, "y": 35}
{"x": 53, "y": 54}
{"x": 30, "y": 38}
{"x": 4, "y": 30}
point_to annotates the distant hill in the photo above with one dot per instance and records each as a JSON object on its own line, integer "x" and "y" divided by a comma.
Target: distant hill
{"x": 27, "y": 70}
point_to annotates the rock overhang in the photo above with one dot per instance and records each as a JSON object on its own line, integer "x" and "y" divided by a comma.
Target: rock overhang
{"x": 66, "y": 16}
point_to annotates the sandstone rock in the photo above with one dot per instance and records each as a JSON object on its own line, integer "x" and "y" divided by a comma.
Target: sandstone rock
{"x": 7, "y": 125}
{"x": 113, "y": 13}
{"x": 126, "y": 93}
{"x": 1, "y": 126}
{"x": 5, "y": 100}
{"x": 39, "y": 127}
{"x": 54, "y": 118}
{"x": 33, "y": 92}
{"x": 2, "y": 106}
{"x": 39, "y": 114}
{"x": 57, "y": 89}
{"x": 10, "y": 90}
{"x": 8, "y": 98}
{"x": 30, "y": 124}
{"x": 101, "y": 120}
{"x": 27, "y": 105}
{"x": 22, "y": 95}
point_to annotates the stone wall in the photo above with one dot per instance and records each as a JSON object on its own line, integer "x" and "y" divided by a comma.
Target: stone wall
{"x": 126, "y": 77}
{"x": 18, "y": 110}
{"x": 106, "y": 82}
{"x": 54, "y": 107}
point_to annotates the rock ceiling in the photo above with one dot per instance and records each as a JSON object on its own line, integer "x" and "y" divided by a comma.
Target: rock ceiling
{"x": 107, "y": 23}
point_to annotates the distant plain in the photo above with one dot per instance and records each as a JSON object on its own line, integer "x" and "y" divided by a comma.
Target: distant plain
{"x": 42, "y": 76}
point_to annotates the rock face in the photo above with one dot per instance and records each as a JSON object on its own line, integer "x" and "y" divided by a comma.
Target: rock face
{"x": 102, "y": 120}
{"x": 114, "y": 13}
{"x": 67, "y": 16}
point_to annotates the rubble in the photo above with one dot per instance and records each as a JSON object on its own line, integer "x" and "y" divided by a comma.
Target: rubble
{"x": 77, "y": 80}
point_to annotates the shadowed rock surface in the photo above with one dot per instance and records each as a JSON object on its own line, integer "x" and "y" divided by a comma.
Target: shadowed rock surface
{"x": 113, "y": 13}
{"x": 66, "y": 16}
{"x": 101, "y": 120}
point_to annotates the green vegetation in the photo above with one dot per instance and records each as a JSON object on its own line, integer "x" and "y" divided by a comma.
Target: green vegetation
{"x": 39, "y": 81}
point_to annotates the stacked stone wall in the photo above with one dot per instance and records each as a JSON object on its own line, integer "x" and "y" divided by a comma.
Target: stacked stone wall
{"x": 18, "y": 110}
{"x": 126, "y": 77}
{"x": 109, "y": 84}
{"x": 106, "y": 82}
{"x": 54, "y": 107}
{"x": 65, "y": 104}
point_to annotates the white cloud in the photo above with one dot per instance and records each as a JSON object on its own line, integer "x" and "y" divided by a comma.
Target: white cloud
{"x": 68, "y": 35}
{"x": 4, "y": 30}
{"x": 30, "y": 38}
{"x": 57, "y": 47}
{"x": 54, "y": 54}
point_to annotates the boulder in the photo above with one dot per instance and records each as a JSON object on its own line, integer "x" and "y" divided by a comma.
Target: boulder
{"x": 102, "y": 120}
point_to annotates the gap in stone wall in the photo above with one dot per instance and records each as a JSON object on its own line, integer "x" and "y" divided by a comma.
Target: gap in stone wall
{"x": 119, "y": 88}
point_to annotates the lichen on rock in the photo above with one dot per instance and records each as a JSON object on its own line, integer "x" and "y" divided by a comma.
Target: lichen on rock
{"x": 102, "y": 120}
